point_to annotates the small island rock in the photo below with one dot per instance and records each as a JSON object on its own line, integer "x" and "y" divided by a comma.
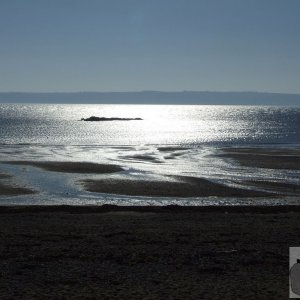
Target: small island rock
{"x": 99, "y": 119}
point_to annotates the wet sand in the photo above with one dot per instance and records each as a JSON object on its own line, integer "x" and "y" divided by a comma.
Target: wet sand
{"x": 185, "y": 187}
{"x": 4, "y": 176}
{"x": 171, "y": 149}
{"x": 146, "y": 252}
{"x": 145, "y": 158}
{"x": 8, "y": 188}
{"x": 275, "y": 186}
{"x": 265, "y": 158}
{"x": 69, "y": 167}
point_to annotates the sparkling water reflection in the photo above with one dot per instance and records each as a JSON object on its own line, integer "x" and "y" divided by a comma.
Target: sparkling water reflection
{"x": 162, "y": 124}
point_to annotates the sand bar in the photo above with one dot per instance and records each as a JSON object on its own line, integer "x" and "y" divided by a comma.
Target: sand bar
{"x": 171, "y": 148}
{"x": 146, "y": 252}
{"x": 276, "y": 186}
{"x": 186, "y": 187}
{"x": 5, "y": 176}
{"x": 265, "y": 158}
{"x": 8, "y": 189}
{"x": 70, "y": 167}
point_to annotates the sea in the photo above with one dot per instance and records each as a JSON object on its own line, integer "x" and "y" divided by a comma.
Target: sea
{"x": 197, "y": 133}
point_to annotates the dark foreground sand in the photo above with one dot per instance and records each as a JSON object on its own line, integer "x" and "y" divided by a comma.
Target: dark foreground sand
{"x": 146, "y": 252}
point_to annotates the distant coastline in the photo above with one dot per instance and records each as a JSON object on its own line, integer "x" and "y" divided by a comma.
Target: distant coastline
{"x": 154, "y": 97}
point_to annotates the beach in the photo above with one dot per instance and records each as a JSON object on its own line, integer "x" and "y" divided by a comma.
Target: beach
{"x": 151, "y": 252}
{"x": 110, "y": 252}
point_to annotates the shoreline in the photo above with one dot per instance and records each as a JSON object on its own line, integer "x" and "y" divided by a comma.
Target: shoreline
{"x": 176, "y": 209}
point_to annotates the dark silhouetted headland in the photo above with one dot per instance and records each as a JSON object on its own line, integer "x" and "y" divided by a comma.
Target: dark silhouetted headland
{"x": 155, "y": 97}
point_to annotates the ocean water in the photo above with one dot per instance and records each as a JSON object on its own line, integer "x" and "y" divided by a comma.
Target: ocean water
{"x": 55, "y": 133}
{"x": 162, "y": 124}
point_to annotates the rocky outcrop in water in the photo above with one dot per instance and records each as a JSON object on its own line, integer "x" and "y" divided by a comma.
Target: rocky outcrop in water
{"x": 101, "y": 119}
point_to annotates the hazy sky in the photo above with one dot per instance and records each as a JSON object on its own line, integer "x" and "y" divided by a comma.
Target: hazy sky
{"x": 130, "y": 45}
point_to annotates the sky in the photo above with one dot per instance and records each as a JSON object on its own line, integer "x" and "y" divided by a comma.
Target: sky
{"x": 134, "y": 45}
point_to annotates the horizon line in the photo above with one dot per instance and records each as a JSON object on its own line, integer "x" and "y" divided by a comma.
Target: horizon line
{"x": 148, "y": 91}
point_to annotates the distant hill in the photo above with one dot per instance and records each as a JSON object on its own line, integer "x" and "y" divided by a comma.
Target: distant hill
{"x": 155, "y": 97}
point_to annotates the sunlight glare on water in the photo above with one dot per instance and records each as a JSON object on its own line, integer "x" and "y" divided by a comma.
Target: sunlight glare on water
{"x": 161, "y": 124}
